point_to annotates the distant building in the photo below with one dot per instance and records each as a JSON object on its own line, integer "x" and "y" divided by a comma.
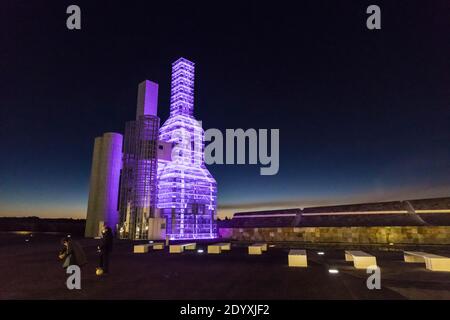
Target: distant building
{"x": 419, "y": 212}
{"x": 409, "y": 222}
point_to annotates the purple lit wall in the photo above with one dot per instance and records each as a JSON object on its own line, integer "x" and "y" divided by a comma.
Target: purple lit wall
{"x": 147, "y": 99}
{"x": 139, "y": 174}
{"x": 186, "y": 190}
{"x": 104, "y": 183}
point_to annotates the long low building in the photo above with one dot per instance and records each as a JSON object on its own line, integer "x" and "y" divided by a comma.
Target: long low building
{"x": 420, "y": 212}
{"x": 409, "y": 222}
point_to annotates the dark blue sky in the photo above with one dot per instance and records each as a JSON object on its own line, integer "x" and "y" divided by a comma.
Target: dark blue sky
{"x": 363, "y": 115}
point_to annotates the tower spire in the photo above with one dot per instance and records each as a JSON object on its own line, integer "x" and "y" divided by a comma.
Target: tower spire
{"x": 182, "y": 88}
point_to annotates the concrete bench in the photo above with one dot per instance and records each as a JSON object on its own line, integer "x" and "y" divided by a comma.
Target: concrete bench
{"x": 219, "y": 247}
{"x": 297, "y": 258}
{"x": 143, "y": 248}
{"x": 257, "y": 248}
{"x": 178, "y": 248}
{"x": 361, "y": 259}
{"x": 432, "y": 262}
{"x": 157, "y": 245}
{"x": 264, "y": 246}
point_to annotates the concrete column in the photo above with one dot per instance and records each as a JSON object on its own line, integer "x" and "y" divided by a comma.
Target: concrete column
{"x": 147, "y": 100}
{"x": 104, "y": 183}
{"x": 92, "y": 209}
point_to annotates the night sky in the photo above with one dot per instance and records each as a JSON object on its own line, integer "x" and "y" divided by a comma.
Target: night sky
{"x": 363, "y": 115}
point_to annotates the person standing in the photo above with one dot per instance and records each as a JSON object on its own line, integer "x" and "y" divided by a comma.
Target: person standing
{"x": 105, "y": 248}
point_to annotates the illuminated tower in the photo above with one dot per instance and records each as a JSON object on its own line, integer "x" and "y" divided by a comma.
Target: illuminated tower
{"x": 138, "y": 181}
{"x": 186, "y": 190}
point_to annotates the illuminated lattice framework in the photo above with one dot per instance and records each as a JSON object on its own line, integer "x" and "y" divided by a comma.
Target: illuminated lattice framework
{"x": 139, "y": 174}
{"x": 186, "y": 190}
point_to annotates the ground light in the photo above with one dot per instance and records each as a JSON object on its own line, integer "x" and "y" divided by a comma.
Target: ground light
{"x": 333, "y": 271}
{"x": 320, "y": 253}
{"x": 151, "y": 241}
{"x": 200, "y": 250}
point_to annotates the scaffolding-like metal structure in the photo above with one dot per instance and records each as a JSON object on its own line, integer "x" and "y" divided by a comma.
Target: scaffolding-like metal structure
{"x": 139, "y": 176}
{"x": 187, "y": 192}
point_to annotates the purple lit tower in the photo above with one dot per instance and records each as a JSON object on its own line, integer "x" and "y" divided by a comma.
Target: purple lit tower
{"x": 186, "y": 190}
{"x": 137, "y": 204}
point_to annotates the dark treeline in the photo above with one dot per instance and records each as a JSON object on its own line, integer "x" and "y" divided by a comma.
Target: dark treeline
{"x": 36, "y": 224}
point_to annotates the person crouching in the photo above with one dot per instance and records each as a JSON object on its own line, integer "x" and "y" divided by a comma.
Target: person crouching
{"x": 71, "y": 253}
